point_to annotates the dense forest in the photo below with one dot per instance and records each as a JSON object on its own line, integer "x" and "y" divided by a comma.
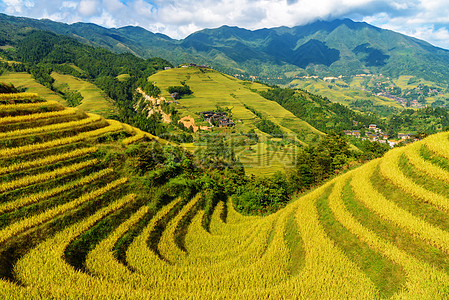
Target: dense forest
{"x": 330, "y": 117}
{"x": 320, "y": 112}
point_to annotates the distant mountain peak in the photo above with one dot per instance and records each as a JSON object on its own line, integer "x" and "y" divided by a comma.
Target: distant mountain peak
{"x": 324, "y": 47}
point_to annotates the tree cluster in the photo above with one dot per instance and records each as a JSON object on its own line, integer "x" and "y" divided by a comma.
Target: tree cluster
{"x": 7, "y": 88}
{"x": 179, "y": 91}
{"x": 266, "y": 125}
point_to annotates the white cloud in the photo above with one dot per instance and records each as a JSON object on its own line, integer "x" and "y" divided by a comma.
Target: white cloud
{"x": 88, "y": 7}
{"x": 69, "y": 4}
{"x": 105, "y": 19}
{"x": 143, "y": 9}
{"x": 17, "y": 6}
{"x": 113, "y": 5}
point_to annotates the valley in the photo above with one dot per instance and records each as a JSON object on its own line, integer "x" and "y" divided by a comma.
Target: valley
{"x": 376, "y": 93}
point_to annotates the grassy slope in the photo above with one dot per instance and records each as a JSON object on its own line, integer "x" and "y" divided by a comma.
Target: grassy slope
{"x": 95, "y": 101}
{"x": 27, "y": 81}
{"x": 212, "y": 88}
{"x": 123, "y": 77}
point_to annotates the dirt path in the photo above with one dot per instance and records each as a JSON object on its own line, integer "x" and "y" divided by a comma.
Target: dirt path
{"x": 156, "y": 105}
{"x": 188, "y": 121}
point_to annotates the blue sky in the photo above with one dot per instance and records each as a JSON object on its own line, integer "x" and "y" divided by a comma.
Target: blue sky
{"x": 424, "y": 19}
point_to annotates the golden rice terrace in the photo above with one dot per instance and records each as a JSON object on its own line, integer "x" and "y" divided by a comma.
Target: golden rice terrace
{"x": 379, "y": 231}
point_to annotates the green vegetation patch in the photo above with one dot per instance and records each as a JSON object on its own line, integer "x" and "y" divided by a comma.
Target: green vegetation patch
{"x": 417, "y": 207}
{"x": 435, "y": 159}
{"x": 429, "y": 183}
{"x": 94, "y": 100}
{"x": 296, "y": 246}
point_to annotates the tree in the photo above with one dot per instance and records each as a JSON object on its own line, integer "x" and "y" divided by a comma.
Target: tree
{"x": 180, "y": 91}
{"x": 73, "y": 98}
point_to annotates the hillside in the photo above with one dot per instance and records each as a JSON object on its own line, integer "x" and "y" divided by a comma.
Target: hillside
{"x": 213, "y": 90}
{"x": 26, "y": 81}
{"x": 93, "y": 100}
{"x": 323, "y": 48}
{"x": 378, "y": 93}
{"x": 77, "y": 221}
{"x": 348, "y": 94}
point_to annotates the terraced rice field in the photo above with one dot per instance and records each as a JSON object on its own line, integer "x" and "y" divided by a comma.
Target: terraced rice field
{"x": 95, "y": 100}
{"x": 341, "y": 92}
{"x": 380, "y": 231}
{"x": 211, "y": 88}
{"x": 267, "y": 159}
{"x": 25, "y": 80}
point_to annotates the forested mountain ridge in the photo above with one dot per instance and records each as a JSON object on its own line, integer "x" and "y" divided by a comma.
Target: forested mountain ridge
{"x": 324, "y": 48}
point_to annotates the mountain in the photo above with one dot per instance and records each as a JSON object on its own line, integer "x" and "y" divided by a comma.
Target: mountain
{"x": 324, "y": 48}
{"x": 340, "y": 47}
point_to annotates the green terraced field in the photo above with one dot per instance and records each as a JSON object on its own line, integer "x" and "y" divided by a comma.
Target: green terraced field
{"x": 27, "y": 81}
{"x": 211, "y": 89}
{"x": 342, "y": 94}
{"x": 95, "y": 100}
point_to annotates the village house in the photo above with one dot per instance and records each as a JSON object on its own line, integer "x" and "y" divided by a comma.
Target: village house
{"x": 414, "y": 103}
{"x": 374, "y": 128}
{"x": 217, "y": 118}
{"x": 404, "y": 136}
{"x": 225, "y": 122}
{"x": 356, "y": 133}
